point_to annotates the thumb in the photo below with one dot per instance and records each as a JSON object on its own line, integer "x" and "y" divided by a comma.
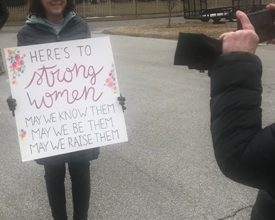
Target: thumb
{"x": 271, "y": 6}
{"x": 246, "y": 24}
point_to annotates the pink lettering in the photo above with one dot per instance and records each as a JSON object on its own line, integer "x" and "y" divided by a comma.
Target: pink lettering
{"x": 52, "y": 77}
{"x": 65, "y": 95}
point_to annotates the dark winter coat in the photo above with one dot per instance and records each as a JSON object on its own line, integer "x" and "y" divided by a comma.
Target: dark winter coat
{"x": 4, "y": 13}
{"x": 245, "y": 151}
{"x": 38, "y": 31}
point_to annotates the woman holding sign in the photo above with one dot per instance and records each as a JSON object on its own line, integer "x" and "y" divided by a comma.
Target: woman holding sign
{"x": 53, "y": 21}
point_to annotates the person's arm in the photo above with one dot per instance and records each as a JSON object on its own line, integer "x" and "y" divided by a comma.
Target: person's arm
{"x": 244, "y": 151}
{"x": 4, "y": 13}
{"x": 21, "y": 41}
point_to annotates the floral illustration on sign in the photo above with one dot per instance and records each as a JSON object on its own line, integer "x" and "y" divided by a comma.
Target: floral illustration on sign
{"x": 111, "y": 80}
{"x": 22, "y": 134}
{"x": 16, "y": 64}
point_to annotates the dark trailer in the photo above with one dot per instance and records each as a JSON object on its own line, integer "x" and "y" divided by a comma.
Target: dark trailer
{"x": 218, "y": 9}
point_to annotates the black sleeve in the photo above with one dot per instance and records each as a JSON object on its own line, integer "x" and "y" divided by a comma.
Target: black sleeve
{"x": 245, "y": 151}
{"x": 20, "y": 40}
{"x": 197, "y": 51}
{"x": 4, "y": 13}
{"x": 88, "y": 31}
{"x": 23, "y": 38}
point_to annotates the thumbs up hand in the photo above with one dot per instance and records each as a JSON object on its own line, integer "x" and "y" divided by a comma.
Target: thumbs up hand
{"x": 245, "y": 40}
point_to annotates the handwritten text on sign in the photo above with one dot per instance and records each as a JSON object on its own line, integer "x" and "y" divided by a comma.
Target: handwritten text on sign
{"x": 66, "y": 96}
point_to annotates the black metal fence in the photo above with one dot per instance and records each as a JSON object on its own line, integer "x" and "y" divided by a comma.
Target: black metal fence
{"x": 103, "y": 8}
{"x": 218, "y": 9}
{"x": 116, "y": 8}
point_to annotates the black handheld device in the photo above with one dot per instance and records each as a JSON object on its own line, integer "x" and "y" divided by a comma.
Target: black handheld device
{"x": 263, "y": 22}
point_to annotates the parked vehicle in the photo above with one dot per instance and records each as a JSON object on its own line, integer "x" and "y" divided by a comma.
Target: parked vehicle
{"x": 207, "y": 9}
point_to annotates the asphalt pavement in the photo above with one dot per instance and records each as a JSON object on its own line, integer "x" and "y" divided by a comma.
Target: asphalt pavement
{"x": 167, "y": 170}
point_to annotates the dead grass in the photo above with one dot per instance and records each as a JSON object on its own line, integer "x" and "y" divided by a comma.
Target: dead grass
{"x": 162, "y": 31}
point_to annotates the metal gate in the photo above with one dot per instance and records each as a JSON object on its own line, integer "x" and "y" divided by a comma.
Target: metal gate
{"x": 104, "y": 8}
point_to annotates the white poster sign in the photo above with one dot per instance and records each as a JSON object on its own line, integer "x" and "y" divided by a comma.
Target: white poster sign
{"x": 66, "y": 95}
